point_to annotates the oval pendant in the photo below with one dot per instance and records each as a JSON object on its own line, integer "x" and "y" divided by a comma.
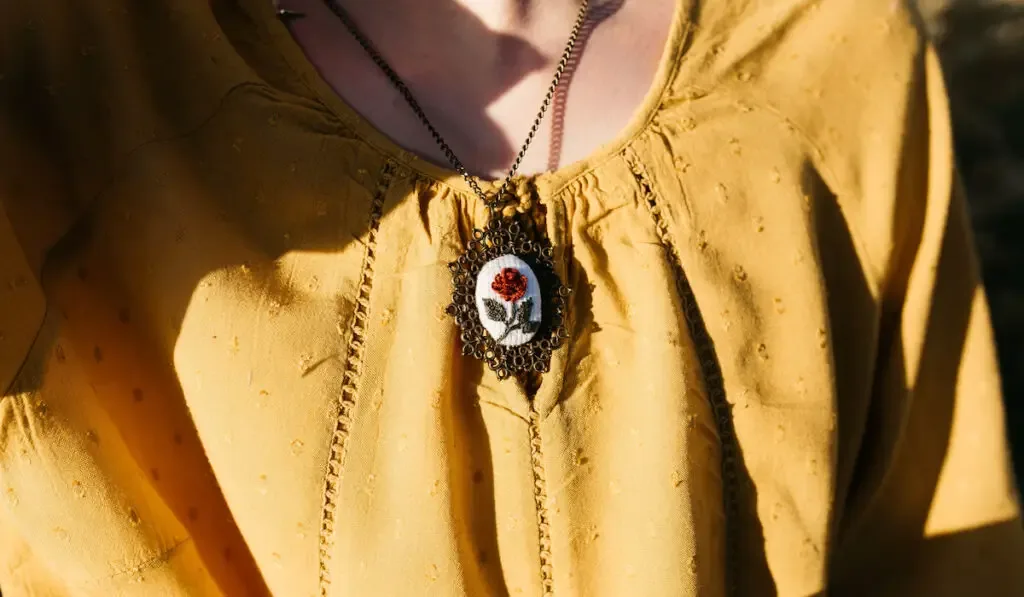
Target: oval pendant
{"x": 508, "y": 300}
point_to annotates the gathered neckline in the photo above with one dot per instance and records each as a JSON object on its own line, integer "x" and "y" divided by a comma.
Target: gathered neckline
{"x": 263, "y": 13}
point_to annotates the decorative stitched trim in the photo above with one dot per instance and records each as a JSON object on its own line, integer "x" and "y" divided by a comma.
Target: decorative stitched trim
{"x": 350, "y": 380}
{"x": 540, "y": 496}
{"x": 711, "y": 371}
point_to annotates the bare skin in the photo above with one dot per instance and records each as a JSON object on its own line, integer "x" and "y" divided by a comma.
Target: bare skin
{"x": 480, "y": 69}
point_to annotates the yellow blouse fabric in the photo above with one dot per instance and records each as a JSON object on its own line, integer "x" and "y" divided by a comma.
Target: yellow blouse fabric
{"x": 227, "y": 367}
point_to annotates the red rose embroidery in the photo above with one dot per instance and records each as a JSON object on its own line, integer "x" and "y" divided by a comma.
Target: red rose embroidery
{"x": 510, "y": 284}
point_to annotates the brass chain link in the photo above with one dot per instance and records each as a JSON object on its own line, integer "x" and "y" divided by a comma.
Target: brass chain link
{"x": 494, "y": 202}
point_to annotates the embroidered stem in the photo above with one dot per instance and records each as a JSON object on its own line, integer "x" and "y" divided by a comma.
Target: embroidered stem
{"x": 508, "y": 331}
{"x": 518, "y": 318}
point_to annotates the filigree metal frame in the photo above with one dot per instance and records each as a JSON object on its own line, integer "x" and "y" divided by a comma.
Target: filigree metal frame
{"x": 507, "y": 237}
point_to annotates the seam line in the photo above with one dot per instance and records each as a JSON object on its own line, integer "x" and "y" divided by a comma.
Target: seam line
{"x": 351, "y": 377}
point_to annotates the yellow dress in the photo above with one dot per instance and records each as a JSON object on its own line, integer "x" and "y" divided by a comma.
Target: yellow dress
{"x": 228, "y": 370}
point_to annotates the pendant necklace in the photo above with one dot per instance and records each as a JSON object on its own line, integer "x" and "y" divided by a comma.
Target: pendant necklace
{"x": 507, "y": 299}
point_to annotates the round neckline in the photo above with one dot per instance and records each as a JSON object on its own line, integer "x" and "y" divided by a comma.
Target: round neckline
{"x": 264, "y": 14}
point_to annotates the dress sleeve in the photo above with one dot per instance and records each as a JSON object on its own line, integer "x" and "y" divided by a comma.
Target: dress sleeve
{"x": 931, "y": 506}
{"x": 61, "y": 501}
{"x": 36, "y": 211}
{"x": 21, "y": 303}
{"x": 37, "y": 202}
{"x": 32, "y": 219}
{"x": 84, "y": 86}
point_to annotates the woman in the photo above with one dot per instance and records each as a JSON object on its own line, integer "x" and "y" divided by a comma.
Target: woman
{"x": 235, "y": 361}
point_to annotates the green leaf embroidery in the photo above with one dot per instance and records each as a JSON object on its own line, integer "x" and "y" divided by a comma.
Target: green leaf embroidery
{"x": 525, "y": 309}
{"x": 495, "y": 310}
{"x": 531, "y": 327}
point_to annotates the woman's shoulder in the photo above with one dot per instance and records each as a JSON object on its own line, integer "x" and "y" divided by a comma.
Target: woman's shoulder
{"x": 846, "y": 90}
{"x": 84, "y": 85}
{"x": 772, "y": 47}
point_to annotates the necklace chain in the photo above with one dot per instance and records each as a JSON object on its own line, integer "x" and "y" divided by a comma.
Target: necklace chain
{"x": 494, "y": 202}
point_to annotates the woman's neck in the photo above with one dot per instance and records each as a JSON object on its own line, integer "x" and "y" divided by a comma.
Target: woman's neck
{"x": 517, "y": 17}
{"x": 480, "y": 69}
{"x": 499, "y": 14}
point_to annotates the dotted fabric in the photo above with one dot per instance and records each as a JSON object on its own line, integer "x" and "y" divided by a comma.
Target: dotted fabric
{"x": 228, "y": 370}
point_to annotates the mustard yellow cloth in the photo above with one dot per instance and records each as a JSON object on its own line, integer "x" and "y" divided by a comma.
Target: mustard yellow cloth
{"x": 227, "y": 369}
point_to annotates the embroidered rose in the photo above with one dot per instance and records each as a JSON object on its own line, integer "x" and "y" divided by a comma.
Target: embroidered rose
{"x": 515, "y": 312}
{"x": 510, "y": 284}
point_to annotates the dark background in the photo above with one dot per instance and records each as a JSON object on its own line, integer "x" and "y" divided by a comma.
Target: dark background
{"x": 982, "y": 47}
